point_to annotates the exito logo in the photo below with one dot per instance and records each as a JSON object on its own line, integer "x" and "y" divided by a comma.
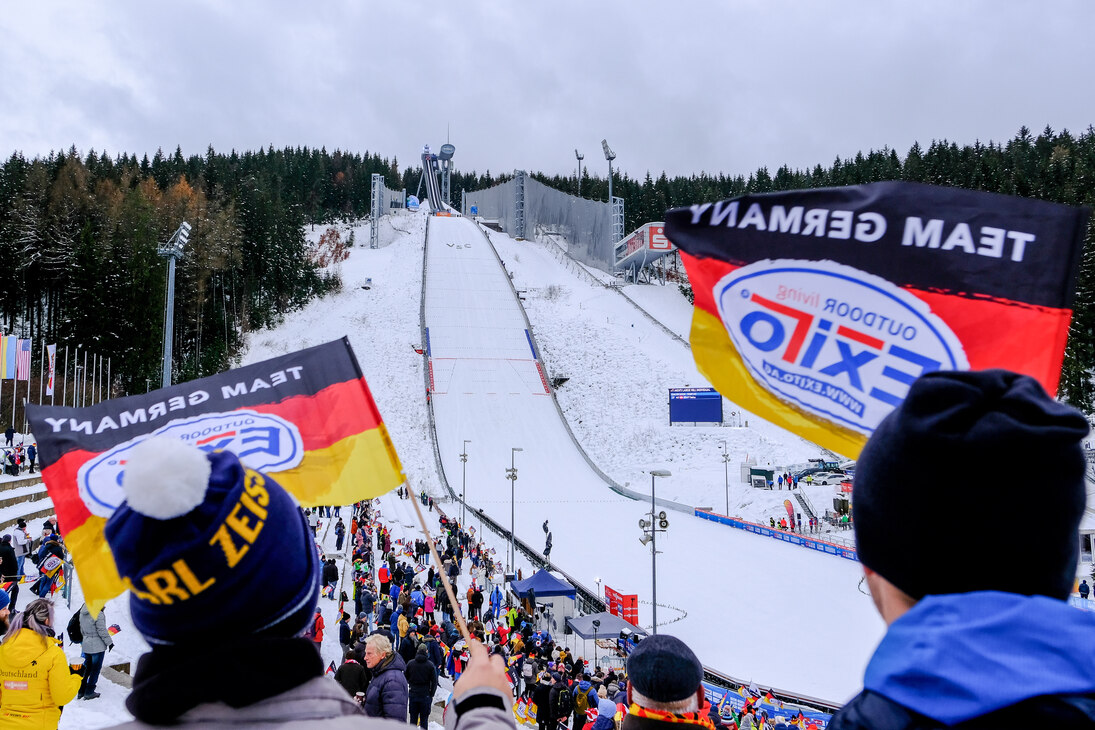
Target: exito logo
{"x": 833, "y": 340}
{"x": 262, "y": 441}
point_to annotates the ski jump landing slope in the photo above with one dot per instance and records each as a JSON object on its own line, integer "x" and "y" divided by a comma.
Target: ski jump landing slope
{"x": 756, "y": 609}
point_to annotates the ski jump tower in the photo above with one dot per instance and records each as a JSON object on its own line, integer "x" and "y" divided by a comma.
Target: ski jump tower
{"x": 432, "y": 166}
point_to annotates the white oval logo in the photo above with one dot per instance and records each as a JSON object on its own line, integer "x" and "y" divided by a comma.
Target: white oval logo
{"x": 831, "y": 339}
{"x": 262, "y": 441}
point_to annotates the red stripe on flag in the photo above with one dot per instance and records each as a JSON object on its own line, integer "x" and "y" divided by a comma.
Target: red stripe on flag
{"x": 860, "y": 337}
{"x": 335, "y": 412}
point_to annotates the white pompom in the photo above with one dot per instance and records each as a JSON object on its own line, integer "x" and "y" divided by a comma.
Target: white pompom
{"x": 165, "y": 477}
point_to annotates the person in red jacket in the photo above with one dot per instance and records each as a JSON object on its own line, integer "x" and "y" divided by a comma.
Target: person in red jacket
{"x": 315, "y": 630}
{"x": 385, "y": 577}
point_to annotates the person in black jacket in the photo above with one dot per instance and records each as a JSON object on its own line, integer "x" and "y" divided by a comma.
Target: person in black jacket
{"x": 408, "y": 646}
{"x": 9, "y": 566}
{"x": 352, "y": 675}
{"x": 979, "y": 631}
{"x": 545, "y": 715}
{"x": 421, "y": 676}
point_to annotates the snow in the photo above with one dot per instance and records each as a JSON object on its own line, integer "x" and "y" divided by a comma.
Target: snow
{"x": 775, "y": 602}
{"x": 750, "y": 606}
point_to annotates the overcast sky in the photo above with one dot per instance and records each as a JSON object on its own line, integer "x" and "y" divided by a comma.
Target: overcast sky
{"x": 677, "y": 86}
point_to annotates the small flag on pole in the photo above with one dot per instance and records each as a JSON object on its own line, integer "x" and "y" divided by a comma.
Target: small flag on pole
{"x": 51, "y": 354}
{"x": 8, "y": 346}
{"x": 330, "y": 668}
{"x": 22, "y": 361}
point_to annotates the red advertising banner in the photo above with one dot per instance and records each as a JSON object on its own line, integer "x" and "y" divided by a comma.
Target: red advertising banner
{"x": 613, "y": 602}
{"x": 626, "y": 606}
{"x": 631, "y": 609}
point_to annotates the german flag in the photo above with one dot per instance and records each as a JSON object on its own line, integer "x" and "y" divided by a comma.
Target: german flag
{"x": 307, "y": 418}
{"x": 816, "y": 309}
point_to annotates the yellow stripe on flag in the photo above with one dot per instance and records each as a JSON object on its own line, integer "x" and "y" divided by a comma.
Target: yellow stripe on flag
{"x": 358, "y": 467}
{"x": 718, "y": 361}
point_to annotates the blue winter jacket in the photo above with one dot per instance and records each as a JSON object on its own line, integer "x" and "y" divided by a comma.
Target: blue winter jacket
{"x": 388, "y": 692}
{"x": 953, "y": 658}
{"x": 395, "y": 621}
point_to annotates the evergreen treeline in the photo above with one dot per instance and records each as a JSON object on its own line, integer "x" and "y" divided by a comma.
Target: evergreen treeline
{"x": 79, "y": 236}
{"x": 1055, "y": 166}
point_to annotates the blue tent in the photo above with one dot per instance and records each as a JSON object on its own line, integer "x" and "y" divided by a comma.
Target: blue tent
{"x": 545, "y": 584}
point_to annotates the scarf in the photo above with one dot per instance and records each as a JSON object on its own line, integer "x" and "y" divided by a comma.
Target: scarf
{"x": 164, "y": 685}
{"x": 685, "y": 718}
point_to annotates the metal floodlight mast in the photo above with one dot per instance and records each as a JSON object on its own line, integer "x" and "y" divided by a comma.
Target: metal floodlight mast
{"x": 580, "y": 157}
{"x": 610, "y": 156}
{"x": 726, "y": 475}
{"x": 655, "y": 521}
{"x": 464, "y": 481}
{"x": 172, "y": 250}
{"x": 511, "y": 474}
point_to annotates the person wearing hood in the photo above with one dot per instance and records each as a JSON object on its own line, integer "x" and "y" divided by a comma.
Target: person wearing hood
{"x": 979, "y": 631}
{"x": 421, "y": 676}
{"x": 606, "y": 715}
{"x": 585, "y": 697}
{"x": 36, "y": 676}
{"x": 545, "y": 715}
{"x": 387, "y": 695}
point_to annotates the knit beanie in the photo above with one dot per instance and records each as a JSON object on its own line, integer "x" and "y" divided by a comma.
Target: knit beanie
{"x": 946, "y": 481}
{"x": 662, "y": 668}
{"x": 206, "y": 546}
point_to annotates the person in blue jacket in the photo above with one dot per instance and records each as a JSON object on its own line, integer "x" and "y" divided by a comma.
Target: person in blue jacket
{"x": 980, "y": 633}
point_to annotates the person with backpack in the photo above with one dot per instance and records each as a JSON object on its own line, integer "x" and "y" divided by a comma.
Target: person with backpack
{"x": 22, "y": 544}
{"x": 562, "y": 699}
{"x": 95, "y": 642}
{"x": 585, "y": 696}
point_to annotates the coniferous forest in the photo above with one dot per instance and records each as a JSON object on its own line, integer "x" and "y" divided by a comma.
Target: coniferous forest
{"x": 79, "y": 233}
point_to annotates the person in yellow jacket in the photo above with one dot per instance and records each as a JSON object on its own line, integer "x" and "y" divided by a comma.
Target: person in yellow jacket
{"x": 35, "y": 678}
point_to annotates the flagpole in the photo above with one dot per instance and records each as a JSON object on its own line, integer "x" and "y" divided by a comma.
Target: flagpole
{"x": 64, "y": 393}
{"x": 94, "y": 360}
{"x": 83, "y": 382}
{"x": 41, "y": 379}
{"x": 108, "y": 388}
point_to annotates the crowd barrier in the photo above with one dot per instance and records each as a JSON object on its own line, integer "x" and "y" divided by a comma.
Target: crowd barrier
{"x": 784, "y": 535}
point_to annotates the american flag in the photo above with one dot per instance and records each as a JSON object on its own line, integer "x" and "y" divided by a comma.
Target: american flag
{"x": 22, "y": 361}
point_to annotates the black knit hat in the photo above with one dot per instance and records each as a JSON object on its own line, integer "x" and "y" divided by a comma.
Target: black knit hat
{"x": 946, "y": 481}
{"x": 662, "y": 668}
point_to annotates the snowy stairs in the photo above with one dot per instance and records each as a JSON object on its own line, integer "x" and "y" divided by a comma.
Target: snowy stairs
{"x": 804, "y": 504}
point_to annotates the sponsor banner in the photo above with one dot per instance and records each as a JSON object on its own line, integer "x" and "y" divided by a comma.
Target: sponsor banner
{"x": 793, "y": 538}
{"x": 306, "y": 418}
{"x": 817, "y": 309}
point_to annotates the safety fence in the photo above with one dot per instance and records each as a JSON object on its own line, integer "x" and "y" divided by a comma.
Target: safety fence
{"x": 522, "y": 204}
{"x": 381, "y": 202}
{"x": 787, "y": 536}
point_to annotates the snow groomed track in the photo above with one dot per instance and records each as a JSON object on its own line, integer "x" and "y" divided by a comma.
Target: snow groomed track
{"x": 757, "y": 609}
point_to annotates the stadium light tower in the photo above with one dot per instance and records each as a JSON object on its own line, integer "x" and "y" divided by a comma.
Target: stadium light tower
{"x": 172, "y": 250}
{"x": 610, "y": 156}
{"x": 511, "y": 474}
{"x": 464, "y": 482}
{"x": 580, "y": 157}
{"x": 657, "y": 522}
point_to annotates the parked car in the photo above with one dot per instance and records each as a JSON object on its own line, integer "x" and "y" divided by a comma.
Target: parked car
{"x": 828, "y": 477}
